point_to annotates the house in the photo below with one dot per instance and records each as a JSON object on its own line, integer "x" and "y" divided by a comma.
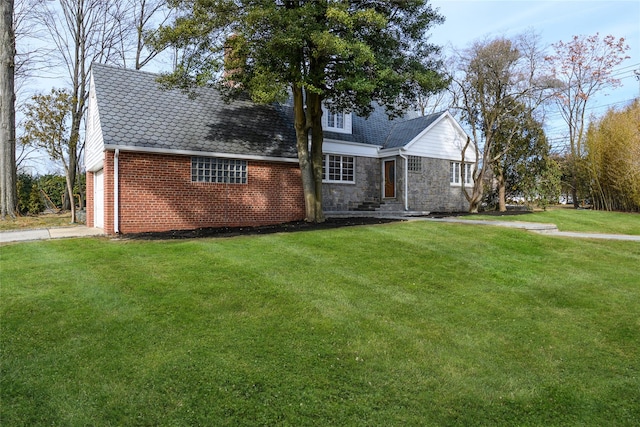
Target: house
{"x": 160, "y": 160}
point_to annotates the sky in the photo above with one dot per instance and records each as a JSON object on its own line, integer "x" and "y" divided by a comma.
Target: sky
{"x": 554, "y": 20}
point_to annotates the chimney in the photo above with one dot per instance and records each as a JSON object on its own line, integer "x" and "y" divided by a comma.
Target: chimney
{"x": 233, "y": 61}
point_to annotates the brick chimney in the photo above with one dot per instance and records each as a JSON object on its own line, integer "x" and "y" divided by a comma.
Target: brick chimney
{"x": 233, "y": 62}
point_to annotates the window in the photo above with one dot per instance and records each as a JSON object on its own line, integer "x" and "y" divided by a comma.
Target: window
{"x": 335, "y": 120}
{"x": 414, "y": 163}
{"x": 468, "y": 177}
{"x": 338, "y": 122}
{"x": 338, "y": 168}
{"x": 454, "y": 173}
{"x": 213, "y": 169}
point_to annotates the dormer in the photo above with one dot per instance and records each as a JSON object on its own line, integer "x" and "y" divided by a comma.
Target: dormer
{"x": 339, "y": 122}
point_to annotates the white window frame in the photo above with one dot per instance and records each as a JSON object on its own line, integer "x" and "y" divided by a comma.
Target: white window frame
{"x": 217, "y": 170}
{"x": 339, "y": 122}
{"x": 335, "y": 120}
{"x": 455, "y": 174}
{"x": 346, "y": 165}
{"x": 468, "y": 174}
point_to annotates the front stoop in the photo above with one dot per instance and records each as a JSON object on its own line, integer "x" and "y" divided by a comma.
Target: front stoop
{"x": 368, "y": 206}
{"x": 375, "y": 214}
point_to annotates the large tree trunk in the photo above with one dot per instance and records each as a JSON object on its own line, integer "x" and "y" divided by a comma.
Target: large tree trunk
{"x": 304, "y": 157}
{"x": 502, "y": 190}
{"x": 70, "y": 196}
{"x": 314, "y": 108}
{"x": 8, "y": 192}
{"x": 308, "y": 121}
{"x": 475, "y": 198}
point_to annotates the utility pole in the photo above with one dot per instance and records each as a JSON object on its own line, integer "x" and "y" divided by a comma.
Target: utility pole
{"x": 637, "y": 73}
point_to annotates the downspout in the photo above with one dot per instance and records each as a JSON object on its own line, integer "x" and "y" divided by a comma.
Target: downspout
{"x": 116, "y": 219}
{"x": 406, "y": 180}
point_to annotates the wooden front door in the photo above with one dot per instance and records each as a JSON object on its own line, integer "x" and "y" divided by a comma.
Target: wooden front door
{"x": 389, "y": 178}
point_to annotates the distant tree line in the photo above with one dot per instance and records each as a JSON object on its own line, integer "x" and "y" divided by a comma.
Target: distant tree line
{"x": 40, "y": 193}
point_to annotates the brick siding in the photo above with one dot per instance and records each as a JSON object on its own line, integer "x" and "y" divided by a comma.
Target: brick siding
{"x": 157, "y": 194}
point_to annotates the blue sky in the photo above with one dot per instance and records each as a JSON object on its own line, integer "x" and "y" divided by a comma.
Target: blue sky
{"x": 470, "y": 20}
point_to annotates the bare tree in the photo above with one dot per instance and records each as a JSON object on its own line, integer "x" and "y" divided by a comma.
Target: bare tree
{"x": 145, "y": 17}
{"x": 495, "y": 78}
{"x": 8, "y": 203}
{"x": 82, "y": 32}
{"x": 31, "y": 52}
{"x": 78, "y": 33}
{"x": 433, "y": 103}
{"x": 583, "y": 67}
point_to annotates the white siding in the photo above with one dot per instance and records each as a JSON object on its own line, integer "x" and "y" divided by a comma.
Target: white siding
{"x": 349, "y": 148}
{"x": 443, "y": 140}
{"x": 94, "y": 148}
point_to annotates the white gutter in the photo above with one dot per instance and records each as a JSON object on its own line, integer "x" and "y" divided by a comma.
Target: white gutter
{"x": 116, "y": 219}
{"x": 154, "y": 150}
{"x": 406, "y": 180}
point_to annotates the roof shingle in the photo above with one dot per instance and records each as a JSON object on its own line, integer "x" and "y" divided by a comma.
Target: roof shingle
{"x": 135, "y": 111}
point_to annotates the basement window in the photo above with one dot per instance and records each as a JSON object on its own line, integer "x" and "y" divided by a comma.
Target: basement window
{"x": 217, "y": 170}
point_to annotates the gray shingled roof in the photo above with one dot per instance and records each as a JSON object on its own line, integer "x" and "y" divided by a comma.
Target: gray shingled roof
{"x": 403, "y": 132}
{"x": 378, "y": 130}
{"x": 136, "y": 112}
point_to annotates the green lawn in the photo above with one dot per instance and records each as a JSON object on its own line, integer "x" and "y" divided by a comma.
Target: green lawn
{"x": 580, "y": 220}
{"x": 399, "y": 324}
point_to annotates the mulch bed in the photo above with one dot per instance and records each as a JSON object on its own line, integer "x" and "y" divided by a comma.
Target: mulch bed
{"x": 265, "y": 229}
{"x": 290, "y": 227}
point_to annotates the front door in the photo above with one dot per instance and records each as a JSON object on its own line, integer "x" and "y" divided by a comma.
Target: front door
{"x": 389, "y": 179}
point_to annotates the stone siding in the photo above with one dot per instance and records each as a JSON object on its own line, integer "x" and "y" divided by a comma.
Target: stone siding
{"x": 344, "y": 197}
{"x": 430, "y": 189}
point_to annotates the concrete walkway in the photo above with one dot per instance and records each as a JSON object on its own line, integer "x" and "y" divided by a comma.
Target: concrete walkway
{"x": 536, "y": 227}
{"x": 49, "y": 233}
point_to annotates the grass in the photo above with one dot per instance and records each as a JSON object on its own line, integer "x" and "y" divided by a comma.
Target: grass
{"x": 579, "y": 220}
{"x": 36, "y": 221}
{"x": 400, "y": 324}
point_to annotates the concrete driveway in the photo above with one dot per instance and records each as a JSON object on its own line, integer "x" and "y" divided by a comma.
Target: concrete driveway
{"x": 49, "y": 233}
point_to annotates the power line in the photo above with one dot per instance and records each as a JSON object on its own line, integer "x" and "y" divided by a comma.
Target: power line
{"x": 627, "y": 66}
{"x": 595, "y": 107}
